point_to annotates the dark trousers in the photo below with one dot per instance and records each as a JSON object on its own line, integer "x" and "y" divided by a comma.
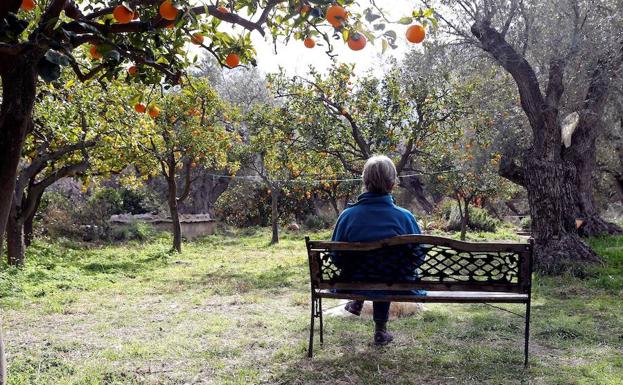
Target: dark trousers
{"x": 380, "y": 310}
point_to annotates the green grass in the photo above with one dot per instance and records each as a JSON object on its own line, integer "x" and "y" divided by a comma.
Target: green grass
{"x": 233, "y": 310}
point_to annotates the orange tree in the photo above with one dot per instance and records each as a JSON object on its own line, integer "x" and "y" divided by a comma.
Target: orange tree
{"x": 352, "y": 118}
{"x": 147, "y": 35}
{"x": 73, "y": 132}
{"x": 275, "y": 150}
{"x": 180, "y": 131}
{"x": 470, "y": 166}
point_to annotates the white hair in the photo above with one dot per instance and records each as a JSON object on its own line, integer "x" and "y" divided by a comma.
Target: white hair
{"x": 379, "y": 175}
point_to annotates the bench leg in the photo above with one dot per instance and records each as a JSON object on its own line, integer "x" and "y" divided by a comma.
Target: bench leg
{"x": 310, "y": 349}
{"x": 319, "y": 313}
{"x": 527, "y": 334}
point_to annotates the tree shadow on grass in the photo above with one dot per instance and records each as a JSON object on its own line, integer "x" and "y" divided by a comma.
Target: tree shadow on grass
{"x": 127, "y": 266}
{"x": 230, "y": 282}
{"x": 432, "y": 363}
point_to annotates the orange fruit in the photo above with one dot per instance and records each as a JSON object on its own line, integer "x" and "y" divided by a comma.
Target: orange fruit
{"x": 357, "y": 41}
{"x": 122, "y": 14}
{"x": 197, "y": 39}
{"x": 95, "y": 55}
{"x": 133, "y": 70}
{"x": 222, "y": 9}
{"x": 416, "y": 33}
{"x": 28, "y": 5}
{"x": 309, "y": 42}
{"x": 153, "y": 111}
{"x": 167, "y": 10}
{"x": 336, "y": 15}
{"x": 305, "y": 8}
{"x": 232, "y": 60}
{"x": 139, "y": 107}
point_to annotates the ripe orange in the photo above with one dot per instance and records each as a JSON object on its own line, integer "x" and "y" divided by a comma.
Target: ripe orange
{"x": 95, "y": 55}
{"x": 222, "y": 9}
{"x": 309, "y": 42}
{"x": 305, "y": 8}
{"x": 153, "y": 111}
{"x": 167, "y": 10}
{"x": 122, "y": 14}
{"x": 139, "y": 107}
{"x": 357, "y": 41}
{"x": 416, "y": 33}
{"x": 232, "y": 60}
{"x": 28, "y": 5}
{"x": 133, "y": 70}
{"x": 336, "y": 15}
{"x": 197, "y": 39}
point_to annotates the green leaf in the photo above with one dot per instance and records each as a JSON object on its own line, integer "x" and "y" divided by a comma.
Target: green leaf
{"x": 112, "y": 55}
{"x": 48, "y": 71}
{"x": 370, "y": 17}
{"x": 56, "y": 58}
{"x": 406, "y": 20}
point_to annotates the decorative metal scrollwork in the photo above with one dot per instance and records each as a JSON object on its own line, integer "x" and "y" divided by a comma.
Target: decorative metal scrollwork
{"x": 425, "y": 263}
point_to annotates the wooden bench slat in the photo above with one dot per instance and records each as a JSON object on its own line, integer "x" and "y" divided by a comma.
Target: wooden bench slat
{"x": 423, "y": 285}
{"x": 424, "y": 239}
{"x": 436, "y": 296}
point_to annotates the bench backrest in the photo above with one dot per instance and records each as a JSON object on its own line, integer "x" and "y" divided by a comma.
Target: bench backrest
{"x": 411, "y": 262}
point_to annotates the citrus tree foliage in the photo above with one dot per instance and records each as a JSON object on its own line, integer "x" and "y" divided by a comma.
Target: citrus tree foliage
{"x": 74, "y": 132}
{"x": 471, "y": 165}
{"x": 275, "y": 150}
{"x": 72, "y": 112}
{"x": 353, "y": 118}
{"x": 153, "y": 34}
{"x": 179, "y": 131}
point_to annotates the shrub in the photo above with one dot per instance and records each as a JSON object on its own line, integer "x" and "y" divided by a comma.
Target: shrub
{"x": 245, "y": 205}
{"x": 319, "y": 222}
{"x": 131, "y": 231}
{"x": 479, "y": 219}
{"x": 526, "y": 223}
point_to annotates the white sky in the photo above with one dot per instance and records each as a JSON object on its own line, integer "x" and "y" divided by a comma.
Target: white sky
{"x": 296, "y": 58}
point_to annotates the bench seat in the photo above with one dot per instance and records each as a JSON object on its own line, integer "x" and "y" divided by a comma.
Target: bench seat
{"x": 436, "y": 296}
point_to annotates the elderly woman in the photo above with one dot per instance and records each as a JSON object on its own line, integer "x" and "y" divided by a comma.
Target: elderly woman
{"x": 374, "y": 217}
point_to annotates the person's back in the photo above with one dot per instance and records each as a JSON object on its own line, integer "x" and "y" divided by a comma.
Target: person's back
{"x": 374, "y": 217}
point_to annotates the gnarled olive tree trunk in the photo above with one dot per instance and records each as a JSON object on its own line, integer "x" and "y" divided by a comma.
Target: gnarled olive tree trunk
{"x": 550, "y": 180}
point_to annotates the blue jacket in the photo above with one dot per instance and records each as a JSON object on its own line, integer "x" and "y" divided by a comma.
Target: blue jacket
{"x": 373, "y": 217}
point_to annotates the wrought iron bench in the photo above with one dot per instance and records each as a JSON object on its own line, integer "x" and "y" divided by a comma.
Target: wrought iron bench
{"x": 450, "y": 271}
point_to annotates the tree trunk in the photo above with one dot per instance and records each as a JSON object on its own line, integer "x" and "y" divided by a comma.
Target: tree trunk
{"x": 464, "y": 219}
{"x": 15, "y": 239}
{"x": 2, "y": 357}
{"x": 274, "y": 216}
{"x": 29, "y": 224}
{"x": 415, "y": 186}
{"x": 551, "y": 193}
{"x": 618, "y": 182}
{"x": 18, "y": 96}
{"x": 333, "y": 201}
{"x": 175, "y": 216}
{"x": 592, "y": 224}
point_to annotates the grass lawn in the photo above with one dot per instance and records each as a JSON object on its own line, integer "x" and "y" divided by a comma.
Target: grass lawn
{"x": 233, "y": 310}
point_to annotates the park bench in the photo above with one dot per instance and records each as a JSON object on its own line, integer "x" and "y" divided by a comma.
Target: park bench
{"x": 450, "y": 271}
